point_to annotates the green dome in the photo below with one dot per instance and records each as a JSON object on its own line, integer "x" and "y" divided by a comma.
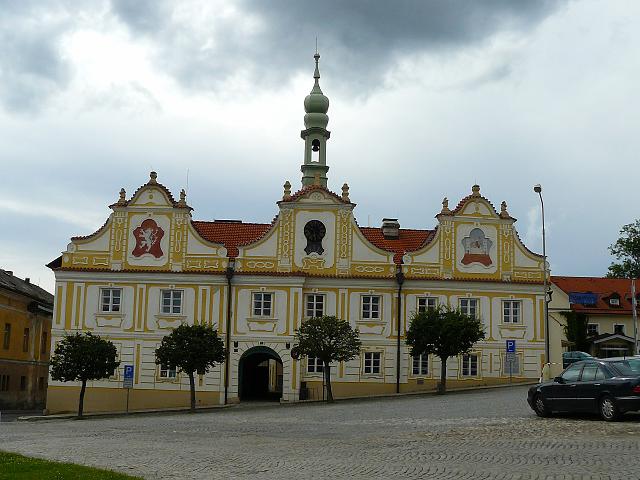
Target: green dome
{"x": 316, "y": 101}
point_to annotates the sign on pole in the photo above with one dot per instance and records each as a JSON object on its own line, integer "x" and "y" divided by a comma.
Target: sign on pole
{"x": 128, "y": 377}
{"x": 511, "y": 363}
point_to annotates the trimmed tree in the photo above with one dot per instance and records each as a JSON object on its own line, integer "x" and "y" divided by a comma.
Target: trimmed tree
{"x": 443, "y": 332}
{"x": 576, "y": 330}
{"x": 191, "y": 349}
{"x": 329, "y": 339}
{"x": 627, "y": 251}
{"x": 81, "y": 357}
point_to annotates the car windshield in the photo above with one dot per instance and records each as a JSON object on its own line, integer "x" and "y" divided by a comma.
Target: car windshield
{"x": 629, "y": 367}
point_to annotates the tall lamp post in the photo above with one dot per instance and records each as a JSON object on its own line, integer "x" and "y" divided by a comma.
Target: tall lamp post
{"x": 538, "y": 189}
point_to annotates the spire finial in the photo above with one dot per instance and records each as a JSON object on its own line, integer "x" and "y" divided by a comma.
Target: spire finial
{"x": 345, "y": 193}
{"x": 152, "y": 178}
{"x": 123, "y": 197}
{"x": 445, "y": 207}
{"x": 287, "y": 191}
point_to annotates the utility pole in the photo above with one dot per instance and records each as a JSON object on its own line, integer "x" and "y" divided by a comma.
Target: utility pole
{"x": 634, "y": 312}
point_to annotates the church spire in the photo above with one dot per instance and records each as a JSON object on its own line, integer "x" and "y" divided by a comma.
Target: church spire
{"x": 315, "y": 134}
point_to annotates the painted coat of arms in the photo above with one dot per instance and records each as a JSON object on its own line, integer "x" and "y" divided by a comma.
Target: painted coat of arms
{"x": 476, "y": 248}
{"x": 148, "y": 236}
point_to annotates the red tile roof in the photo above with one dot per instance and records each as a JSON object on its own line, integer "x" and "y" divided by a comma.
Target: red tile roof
{"x": 408, "y": 241}
{"x": 231, "y": 233}
{"x": 603, "y": 288}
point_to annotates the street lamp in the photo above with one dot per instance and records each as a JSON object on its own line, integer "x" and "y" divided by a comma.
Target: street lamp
{"x": 538, "y": 189}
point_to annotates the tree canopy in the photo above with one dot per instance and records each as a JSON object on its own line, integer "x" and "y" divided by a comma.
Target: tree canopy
{"x": 443, "y": 332}
{"x": 329, "y": 339}
{"x": 82, "y": 357}
{"x": 627, "y": 251}
{"x": 191, "y": 349}
{"x": 576, "y": 330}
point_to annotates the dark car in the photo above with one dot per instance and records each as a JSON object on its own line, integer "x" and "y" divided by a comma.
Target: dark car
{"x": 572, "y": 357}
{"x": 610, "y": 387}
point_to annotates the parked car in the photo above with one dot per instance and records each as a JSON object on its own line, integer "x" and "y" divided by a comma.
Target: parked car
{"x": 571, "y": 357}
{"x": 610, "y": 387}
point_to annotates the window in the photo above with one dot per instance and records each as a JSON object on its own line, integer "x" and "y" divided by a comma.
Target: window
{"x": 111, "y": 299}
{"x": 25, "y": 340}
{"x": 511, "y": 311}
{"x": 618, "y": 328}
{"x": 420, "y": 365}
{"x": 592, "y": 372}
{"x": 314, "y": 365}
{"x": 315, "y": 305}
{"x": 41, "y": 383}
{"x": 23, "y": 383}
{"x": 470, "y": 365}
{"x": 469, "y": 306}
{"x": 6, "y": 342}
{"x": 4, "y": 383}
{"x": 592, "y": 329}
{"x": 262, "y": 304}
{"x": 572, "y": 373}
{"x": 167, "y": 371}
{"x": 614, "y": 302}
{"x": 427, "y": 303}
{"x": 171, "y": 302}
{"x": 372, "y": 362}
{"x": 43, "y": 343}
{"x": 371, "y": 306}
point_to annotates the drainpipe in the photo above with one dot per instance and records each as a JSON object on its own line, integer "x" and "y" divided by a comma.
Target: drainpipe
{"x": 227, "y": 369}
{"x": 400, "y": 280}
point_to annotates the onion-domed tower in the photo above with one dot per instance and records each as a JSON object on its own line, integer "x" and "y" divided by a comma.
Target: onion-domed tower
{"x": 315, "y": 134}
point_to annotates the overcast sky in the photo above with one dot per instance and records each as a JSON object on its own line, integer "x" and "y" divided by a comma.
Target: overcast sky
{"x": 427, "y": 98}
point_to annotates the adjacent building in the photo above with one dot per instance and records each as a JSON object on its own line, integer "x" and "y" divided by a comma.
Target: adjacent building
{"x": 151, "y": 266}
{"x": 607, "y": 305}
{"x": 25, "y": 335}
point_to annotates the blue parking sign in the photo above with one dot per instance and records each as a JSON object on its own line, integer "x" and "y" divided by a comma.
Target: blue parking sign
{"x": 511, "y": 346}
{"x": 128, "y": 371}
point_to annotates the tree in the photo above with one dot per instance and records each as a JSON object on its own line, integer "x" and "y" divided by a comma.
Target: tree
{"x": 576, "y": 330}
{"x": 627, "y": 251}
{"x": 329, "y": 339}
{"x": 82, "y": 357}
{"x": 191, "y": 349}
{"x": 443, "y": 332}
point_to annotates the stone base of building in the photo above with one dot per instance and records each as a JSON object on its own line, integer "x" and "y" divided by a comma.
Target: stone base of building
{"x": 103, "y": 400}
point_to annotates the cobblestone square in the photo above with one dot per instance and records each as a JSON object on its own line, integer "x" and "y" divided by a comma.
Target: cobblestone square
{"x": 481, "y": 434}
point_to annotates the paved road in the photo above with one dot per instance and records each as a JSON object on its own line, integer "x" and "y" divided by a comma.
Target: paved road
{"x": 483, "y": 434}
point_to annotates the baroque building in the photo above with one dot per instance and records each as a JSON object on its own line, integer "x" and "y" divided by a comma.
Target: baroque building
{"x": 151, "y": 267}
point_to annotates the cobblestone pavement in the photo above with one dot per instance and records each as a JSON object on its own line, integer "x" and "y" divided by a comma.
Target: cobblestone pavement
{"x": 484, "y": 434}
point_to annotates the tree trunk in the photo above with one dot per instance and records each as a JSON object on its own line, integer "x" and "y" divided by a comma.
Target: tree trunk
{"x": 327, "y": 376}
{"x": 442, "y": 386}
{"x": 81, "y": 401}
{"x": 192, "y": 386}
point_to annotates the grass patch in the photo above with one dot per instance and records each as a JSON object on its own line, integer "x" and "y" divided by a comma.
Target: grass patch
{"x": 18, "y": 467}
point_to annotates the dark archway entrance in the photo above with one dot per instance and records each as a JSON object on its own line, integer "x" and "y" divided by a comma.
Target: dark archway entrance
{"x": 260, "y": 375}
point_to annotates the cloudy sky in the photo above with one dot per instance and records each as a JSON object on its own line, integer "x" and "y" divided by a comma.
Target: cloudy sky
{"x": 427, "y": 98}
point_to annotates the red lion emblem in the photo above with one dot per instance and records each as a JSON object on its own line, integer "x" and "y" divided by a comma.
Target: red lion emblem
{"x": 148, "y": 236}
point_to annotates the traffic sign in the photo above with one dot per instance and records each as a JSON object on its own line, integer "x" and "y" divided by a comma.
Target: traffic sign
{"x": 511, "y": 346}
{"x": 128, "y": 377}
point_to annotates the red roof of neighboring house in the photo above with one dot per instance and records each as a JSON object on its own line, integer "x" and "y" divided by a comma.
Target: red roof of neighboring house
{"x": 231, "y": 233}
{"x": 604, "y": 288}
{"x": 408, "y": 240}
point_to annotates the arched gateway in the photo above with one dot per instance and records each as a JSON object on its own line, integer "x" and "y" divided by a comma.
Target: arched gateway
{"x": 260, "y": 375}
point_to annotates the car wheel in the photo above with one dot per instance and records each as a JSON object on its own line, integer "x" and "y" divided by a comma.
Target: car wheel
{"x": 540, "y": 407}
{"x": 608, "y": 409}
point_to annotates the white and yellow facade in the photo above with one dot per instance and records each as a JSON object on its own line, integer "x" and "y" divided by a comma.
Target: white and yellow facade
{"x": 256, "y": 284}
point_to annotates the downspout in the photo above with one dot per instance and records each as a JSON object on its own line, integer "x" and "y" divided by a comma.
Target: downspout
{"x": 229, "y": 274}
{"x": 400, "y": 280}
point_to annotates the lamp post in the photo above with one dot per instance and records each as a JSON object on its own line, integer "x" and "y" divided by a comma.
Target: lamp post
{"x": 538, "y": 189}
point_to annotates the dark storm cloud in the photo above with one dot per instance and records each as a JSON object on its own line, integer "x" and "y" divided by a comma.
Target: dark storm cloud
{"x": 361, "y": 39}
{"x": 31, "y": 67}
